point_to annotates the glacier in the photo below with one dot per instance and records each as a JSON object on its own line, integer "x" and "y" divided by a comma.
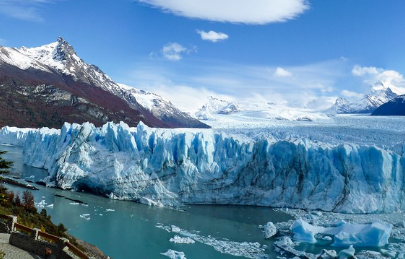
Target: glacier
{"x": 183, "y": 166}
{"x": 13, "y": 135}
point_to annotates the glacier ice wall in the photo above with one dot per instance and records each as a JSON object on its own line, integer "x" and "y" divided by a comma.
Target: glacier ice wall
{"x": 13, "y": 136}
{"x": 172, "y": 167}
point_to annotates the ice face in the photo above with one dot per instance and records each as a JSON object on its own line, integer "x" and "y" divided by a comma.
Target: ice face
{"x": 13, "y": 136}
{"x": 171, "y": 167}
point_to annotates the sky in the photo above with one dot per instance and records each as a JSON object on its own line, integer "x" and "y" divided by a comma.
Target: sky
{"x": 301, "y": 53}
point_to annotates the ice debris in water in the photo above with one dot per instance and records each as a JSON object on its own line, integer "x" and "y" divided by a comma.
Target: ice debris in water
{"x": 344, "y": 234}
{"x": 85, "y": 216}
{"x": 225, "y": 246}
{"x": 175, "y": 229}
{"x": 269, "y": 230}
{"x": 172, "y": 254}
{"x": 182, "y": 240}
{"x": 347, "y": 253}
{"x": 41, "y": 204}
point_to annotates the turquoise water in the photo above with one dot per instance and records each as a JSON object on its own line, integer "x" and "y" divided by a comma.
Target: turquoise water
{"x": 126, "y": 230}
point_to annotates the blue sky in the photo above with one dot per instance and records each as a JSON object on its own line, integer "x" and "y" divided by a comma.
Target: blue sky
{"x": 302, "y": 53}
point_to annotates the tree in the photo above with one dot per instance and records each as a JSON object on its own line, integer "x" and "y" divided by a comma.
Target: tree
{"x": 28, "y": 201}
{"x": 4, "y": 165}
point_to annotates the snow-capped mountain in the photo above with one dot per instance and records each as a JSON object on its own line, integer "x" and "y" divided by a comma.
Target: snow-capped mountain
{"x": 216, "y": 106}
{"x": 378, "y": 95}
{"x": 65, "y": 78}
{"x": 157, "y": 105}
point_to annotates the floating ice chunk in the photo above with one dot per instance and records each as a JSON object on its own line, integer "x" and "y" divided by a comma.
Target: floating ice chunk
{"x": 182, "y": 240}
{"x": 109, "y": 210}
{"x": 284, "y": 241}
{"x": 327, "y": 254}
{"x": 269, "y": 230}
{"x": 74, "y": 203}
{"x": 327, "y": 238}
{"x": 389, "y": 253}
{"x": 172, "y": 254}
{"x": 346, "y": 253}
{"x": 41, "y": 204}
{"x": 85, "y": 216}
{"x": 175, "y": 229}
{"x": 305, "y": 232}
{"x": 345, "y": 234}
{"x": 50, "y": 206}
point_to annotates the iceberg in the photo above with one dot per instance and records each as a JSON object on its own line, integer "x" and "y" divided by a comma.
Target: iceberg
{"x": 171, "y": 167}
{"x": 344, "y": 234}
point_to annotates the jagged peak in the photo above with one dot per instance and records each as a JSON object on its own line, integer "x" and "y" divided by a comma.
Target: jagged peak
{"x": 63, "y": 50}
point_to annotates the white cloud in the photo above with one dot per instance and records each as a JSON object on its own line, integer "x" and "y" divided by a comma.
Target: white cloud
{"x": 213, "y": 36}
{"x": 234, "y": 11}
{"x": 281, "y": 72}
{"x": 351, "y": 95}
{"x": 361, "y": 71}
{"x": 27, "y": 10}
{"x": 174, "y": 51}
{"x": 380, "y": 79}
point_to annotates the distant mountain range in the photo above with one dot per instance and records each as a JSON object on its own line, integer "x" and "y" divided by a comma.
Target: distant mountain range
{"x": 378, "y": 95}
{"x": 216, "y": 106}
{"x": 48, "y": 85}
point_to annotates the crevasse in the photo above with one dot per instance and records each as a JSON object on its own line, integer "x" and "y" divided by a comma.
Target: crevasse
{"x": 174, "y": 167}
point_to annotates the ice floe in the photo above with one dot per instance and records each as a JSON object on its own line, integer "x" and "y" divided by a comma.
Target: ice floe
{"x": 369, "y": 235}
{"x": 269, "y": 230}
{"x": 172, "y": 254}
{"x": 182, "y": 240}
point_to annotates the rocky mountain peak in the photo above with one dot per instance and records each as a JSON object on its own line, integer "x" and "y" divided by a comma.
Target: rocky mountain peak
{"x": 63, "y": 50}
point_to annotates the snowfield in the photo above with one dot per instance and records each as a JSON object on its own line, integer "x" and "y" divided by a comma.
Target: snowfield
{"x": 360, "y": 169}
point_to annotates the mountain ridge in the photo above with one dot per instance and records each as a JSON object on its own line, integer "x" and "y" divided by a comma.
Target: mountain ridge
{"x": 378, "y": 95}
{"x": 56, "y": 66}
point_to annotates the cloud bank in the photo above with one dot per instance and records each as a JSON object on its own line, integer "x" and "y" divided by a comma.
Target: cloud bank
{"x": 234, "y": 11}
{"x": 213, "y": 36}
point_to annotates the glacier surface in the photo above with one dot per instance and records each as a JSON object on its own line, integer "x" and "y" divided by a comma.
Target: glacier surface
{"x": 174, "y": 167}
